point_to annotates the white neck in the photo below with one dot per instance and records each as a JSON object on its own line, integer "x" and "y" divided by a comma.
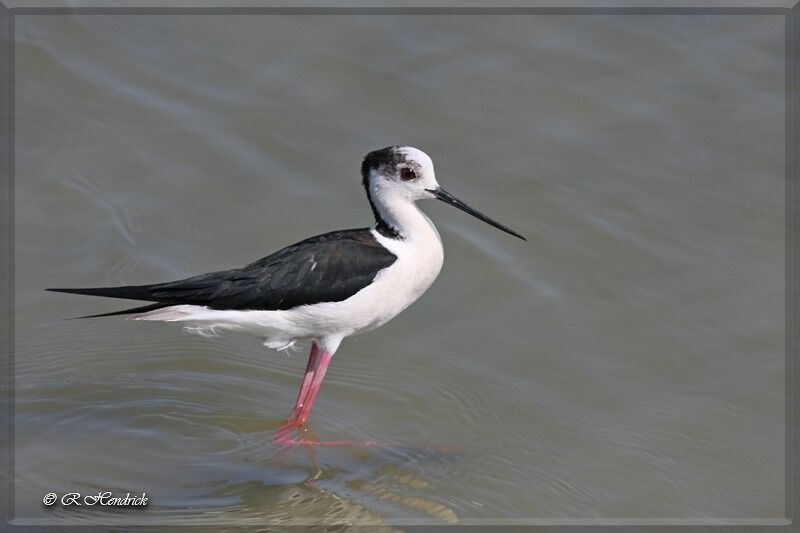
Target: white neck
{"x": 402, "y": 215}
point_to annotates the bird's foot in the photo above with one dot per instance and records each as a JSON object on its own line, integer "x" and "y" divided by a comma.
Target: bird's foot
{"x": 284, "y": 434}
{"x": 296, "y": 433}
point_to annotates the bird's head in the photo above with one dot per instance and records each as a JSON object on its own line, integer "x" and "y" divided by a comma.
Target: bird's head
{"x": 399, "y": 171}
{"x": 405, "y": 174}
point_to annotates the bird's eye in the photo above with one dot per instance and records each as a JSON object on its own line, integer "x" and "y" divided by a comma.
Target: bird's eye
{"x": 408, "y": 174}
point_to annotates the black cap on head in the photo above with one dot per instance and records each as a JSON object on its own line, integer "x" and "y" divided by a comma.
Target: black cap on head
{"x": 389, "y": 156}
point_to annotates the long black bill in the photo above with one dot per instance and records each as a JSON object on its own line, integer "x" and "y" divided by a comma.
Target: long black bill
{"x": 448, "y": 198}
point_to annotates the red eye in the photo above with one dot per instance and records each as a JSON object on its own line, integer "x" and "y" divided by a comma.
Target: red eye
{"x": 408, "y": 174}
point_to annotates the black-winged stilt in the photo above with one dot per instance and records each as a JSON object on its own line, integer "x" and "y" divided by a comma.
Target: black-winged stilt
{"x": 322, "y": 289}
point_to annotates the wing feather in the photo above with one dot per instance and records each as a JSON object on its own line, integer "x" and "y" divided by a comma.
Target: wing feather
{"x": 327, "y": 268}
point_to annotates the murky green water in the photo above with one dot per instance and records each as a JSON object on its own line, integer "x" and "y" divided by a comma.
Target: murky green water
{"x": 625, "y": 363}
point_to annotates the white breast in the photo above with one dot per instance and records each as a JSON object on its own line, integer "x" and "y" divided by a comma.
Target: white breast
{"x": 419, "y": 261}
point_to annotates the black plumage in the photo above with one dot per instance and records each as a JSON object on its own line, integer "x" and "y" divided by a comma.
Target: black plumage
{"x": 327, "y": 268}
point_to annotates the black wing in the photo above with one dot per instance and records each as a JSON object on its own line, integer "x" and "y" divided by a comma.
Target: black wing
{"x": 326, "y": 268}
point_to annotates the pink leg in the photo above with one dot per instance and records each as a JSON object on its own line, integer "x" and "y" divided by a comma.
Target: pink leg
{"x": 313, "y": 361}
{"x": 318, "y": 361}
{"x": 312, "y": 381}
{"x": 313, "y": 390}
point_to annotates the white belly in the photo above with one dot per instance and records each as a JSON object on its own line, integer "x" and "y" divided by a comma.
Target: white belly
{"x": 418, "y": 263}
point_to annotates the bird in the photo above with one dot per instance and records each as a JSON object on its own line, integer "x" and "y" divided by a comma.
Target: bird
{"x": 322, "y": 289}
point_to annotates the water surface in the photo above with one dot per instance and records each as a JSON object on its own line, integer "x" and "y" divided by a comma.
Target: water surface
{"x": 626, "y": 363}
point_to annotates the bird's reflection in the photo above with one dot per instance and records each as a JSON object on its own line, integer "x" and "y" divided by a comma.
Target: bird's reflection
{"x": 304, "y": 480}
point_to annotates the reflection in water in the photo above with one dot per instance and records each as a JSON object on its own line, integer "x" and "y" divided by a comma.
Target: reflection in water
{"x": 389, "y": 483}
{"x": 367, "y": 484}
{"x": 333, "y": 495}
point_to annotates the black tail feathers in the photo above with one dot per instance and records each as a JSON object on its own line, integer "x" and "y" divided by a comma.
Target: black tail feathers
{"x": 140, "y": 309}
{"x": 133, "y": 292}
{"x": 129, "y": 292}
